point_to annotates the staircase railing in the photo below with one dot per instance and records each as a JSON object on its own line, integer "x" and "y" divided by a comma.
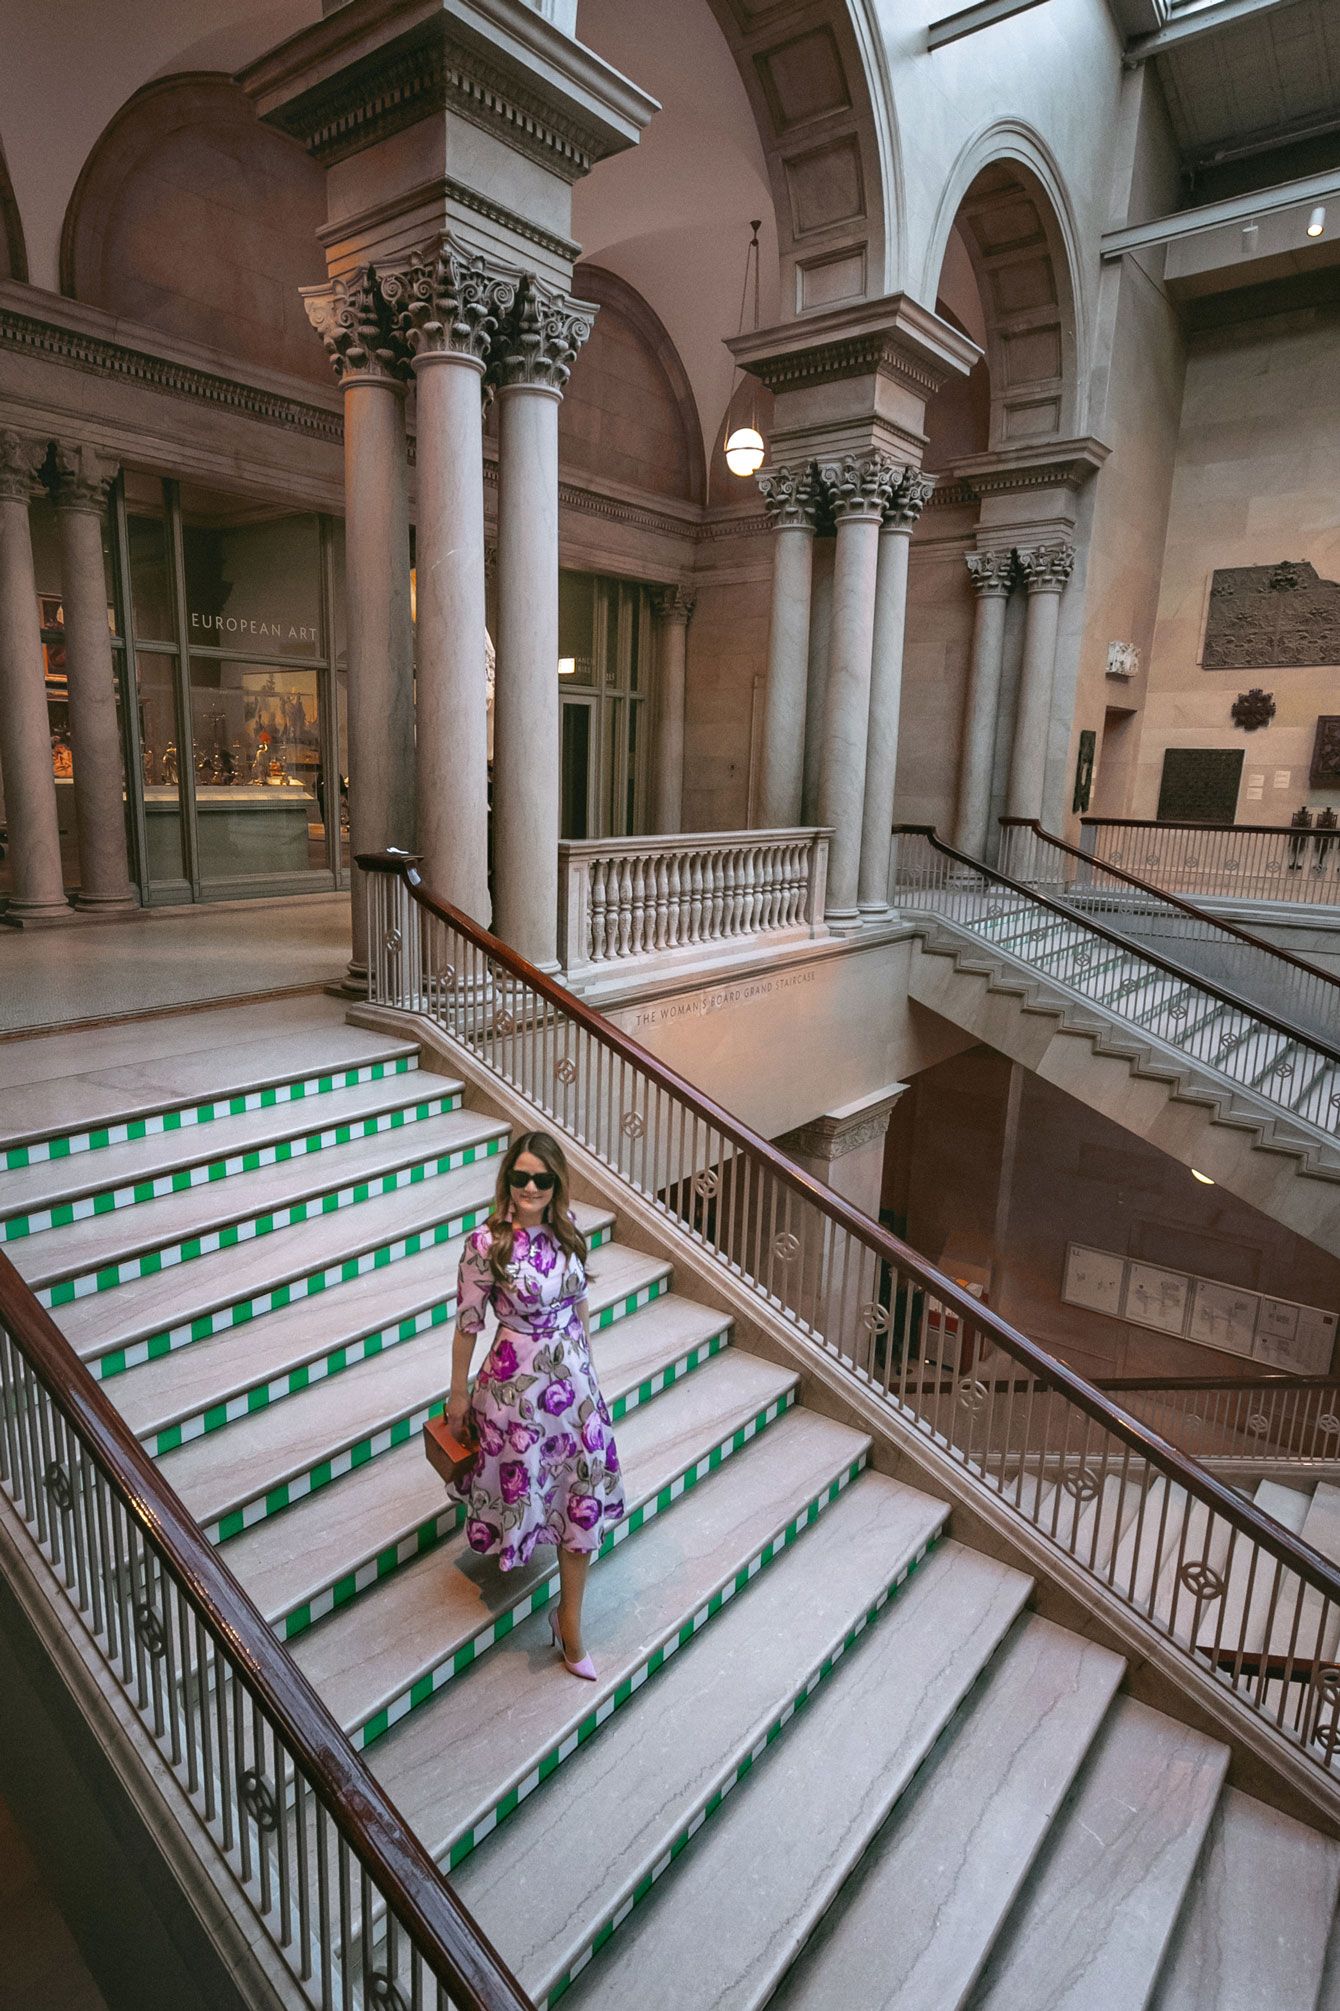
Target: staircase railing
{"x": 1061, "y": 1455}
{"x": 1249, "y": 1046}
{"x": 346, "y": 1895}
{"x": 1251, "y": 1421}
{"x": 1236, "y": 862}
{"x": 1301, "y": 993}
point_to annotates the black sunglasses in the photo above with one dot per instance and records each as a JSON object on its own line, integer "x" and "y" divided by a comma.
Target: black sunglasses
{"x": 544, "y": 1182}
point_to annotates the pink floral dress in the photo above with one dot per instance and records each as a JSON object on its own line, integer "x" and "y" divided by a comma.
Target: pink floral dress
{"x": 547, "y": 1470}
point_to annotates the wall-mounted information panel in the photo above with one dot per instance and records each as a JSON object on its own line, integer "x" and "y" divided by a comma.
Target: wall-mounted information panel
{"x": 1278, "y": 1333}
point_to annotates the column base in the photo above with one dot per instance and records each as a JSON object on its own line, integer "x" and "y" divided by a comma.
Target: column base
{"x": 110, "y": 905}
{"x": 844, "y": 921}
{"x": 353, "y": 985}
{"x": 38, "y": 915}
{"x": 874, "y": 914}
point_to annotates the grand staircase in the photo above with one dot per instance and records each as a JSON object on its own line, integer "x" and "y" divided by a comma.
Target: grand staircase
{"x": 834, "y": 1757}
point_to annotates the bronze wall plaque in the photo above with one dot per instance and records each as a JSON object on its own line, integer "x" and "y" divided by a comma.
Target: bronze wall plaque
{"x": 1271, "y": 618}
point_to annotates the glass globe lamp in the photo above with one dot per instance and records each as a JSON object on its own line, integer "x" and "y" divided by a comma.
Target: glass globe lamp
{"x": 745, "y": 451}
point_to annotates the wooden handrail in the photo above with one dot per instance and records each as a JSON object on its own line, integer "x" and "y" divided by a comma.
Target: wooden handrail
{"x": 1175, "y": 901}
{"x": 1312, "y": 1568}
{"x": 1122, "y": 943}
{"x": 1225, "y": 830}
{"x": 1278, "y": 1380}
{"x": 453, "y": 1947}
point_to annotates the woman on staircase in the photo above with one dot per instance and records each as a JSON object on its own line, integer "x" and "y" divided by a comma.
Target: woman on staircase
{"x": 547, "y": 1471}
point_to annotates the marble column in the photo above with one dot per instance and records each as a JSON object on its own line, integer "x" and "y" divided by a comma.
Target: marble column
{"x": 789, "y": 497}
{"x": 533, "y": 359}
{"x": 844, "y": 1148}
{"x": 992, "y": 575}
{"x": 908, "y": 500}
{"x": 446, "y": 305}
{"x": 372, "y": 367}
{"x": 816, "y": 688}
{"x": 37, "y": 883}
{"x": 83, "y": 478}
{"x": 1045, "y": 570}
{"x": 672, "y": 610}
{"x": 858, "y": 489}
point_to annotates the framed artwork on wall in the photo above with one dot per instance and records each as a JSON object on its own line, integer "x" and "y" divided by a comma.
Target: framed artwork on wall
{"x": 1325, "y": 771}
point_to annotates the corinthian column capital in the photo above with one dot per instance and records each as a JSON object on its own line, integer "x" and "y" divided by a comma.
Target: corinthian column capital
{"x": 991, "y": 572}
{"x": 447, "y": 302}
{"x": 358, "y": 329}
{"x": 537, "y": 343}
{"x": 860, "y": 485}
{"x": 911, "y": 493}
{"x": 673, "y": 604}
{"x": 21, "y": 458}
{"x": 790, "y": 495}
{"x": 1046, "y": 568}
{"x": 83, "y": 477}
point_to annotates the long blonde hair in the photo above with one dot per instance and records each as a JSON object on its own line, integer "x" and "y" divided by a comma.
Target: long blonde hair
{"x": 557, "y": 1215}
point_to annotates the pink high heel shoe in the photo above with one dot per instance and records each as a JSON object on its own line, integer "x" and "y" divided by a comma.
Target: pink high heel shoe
{"x": 586, "y": 1668}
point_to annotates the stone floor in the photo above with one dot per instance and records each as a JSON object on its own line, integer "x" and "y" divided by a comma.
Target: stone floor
{"x": 169, "y": 957}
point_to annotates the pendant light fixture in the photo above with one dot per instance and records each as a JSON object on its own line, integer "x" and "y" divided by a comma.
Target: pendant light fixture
{"x": 745, "y": 451}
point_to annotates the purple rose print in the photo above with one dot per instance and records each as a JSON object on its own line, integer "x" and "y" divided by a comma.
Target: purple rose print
{"x": 559, "y": 1396}
{"x": 561, "y": 1446}
{"x": 600, "y": 1406}
{"x": 543, "y": 1255}
{"x": 481, "y": 1535}
{"x": 583, "y": 1510}
{"x": 611, "y": 1458}
{"x": 504, "y": 1365}
{"x": 593, "y": 1438}
{"x": 491, "y": 1440}
{"x": 521, "y": 1437}
{"x": 512, "y": 1479}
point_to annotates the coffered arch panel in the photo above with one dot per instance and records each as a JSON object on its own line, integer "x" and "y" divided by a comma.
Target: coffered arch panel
{"x": 813, "y": 71}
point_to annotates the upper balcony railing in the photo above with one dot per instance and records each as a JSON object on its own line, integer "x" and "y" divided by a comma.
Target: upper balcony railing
{"x": 1243, "y": 1422}
{"x": 624, "y": 901}
{"x": 1230, "y": 862}
{"x": 1111, "y": 1498}
{"x": 1221, "y": 951}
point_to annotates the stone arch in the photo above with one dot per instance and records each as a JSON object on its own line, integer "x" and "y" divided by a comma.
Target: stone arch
{"x": 815, "y": 74}
{"x": 192, "y": 216}
{"x": 1006, "y": 201}
{"x": 13, "y": 250}
{"x": 629, "y": 410}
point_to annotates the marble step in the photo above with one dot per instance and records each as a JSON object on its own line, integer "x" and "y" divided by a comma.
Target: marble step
{"x": 456, "y": 1769}
{"x": 723, "y": 1926}
{"x": 1099, "y": 1906}
{"x": 434, "y": 1619}
{"x": 116, "y": 1331}
{"x": 57, "y": 1192}
{"x": 1254, "y": 1929}
{"x": 330, "y": 1547}
{"x": 912, "y": 1927}
{"x": 1288, "y": 1505}
{"x": 688, "y": 1740}
{"x": 55, "y": 1117}
{"x": 278, "y": 1454}
{"x": 195, "y": 1390}
{"x": 108, "y": 1251}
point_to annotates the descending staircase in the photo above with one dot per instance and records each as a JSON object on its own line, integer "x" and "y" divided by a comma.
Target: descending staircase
{"x": 840, "y": 1761}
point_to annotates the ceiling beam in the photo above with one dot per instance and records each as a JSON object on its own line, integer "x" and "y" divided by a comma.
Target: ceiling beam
{"x": 983, "y": 14}
{"x": 1191, "y": 24}
{"x": 1212, "y": 216}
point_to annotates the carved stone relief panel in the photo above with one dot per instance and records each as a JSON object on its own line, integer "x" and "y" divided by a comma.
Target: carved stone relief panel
{"x": 1271, "y": 618}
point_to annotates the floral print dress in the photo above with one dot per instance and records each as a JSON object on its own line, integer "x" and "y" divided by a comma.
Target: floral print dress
{"x": 547, "y": 1470}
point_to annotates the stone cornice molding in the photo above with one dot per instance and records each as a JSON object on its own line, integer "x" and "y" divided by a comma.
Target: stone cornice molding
{"x": 104, "y": 358}
{"x": 893, "y": 337}
{"x": 1052, "y": 464}
{"x": 790, "y": 495}
{"x": 860, "y": 485}
{"x": 991, "y": 572}
{"x": 674, "y": 605}
{"x": 1046, "y": 568}
{"x": 538, "y": 344}
{"x": 344, "y": 84}
{"x": 837, "y": 1132}
{"x": 911, "y": 493}
{"x": 442, "y": 189}
{"x": 21, "y": 459}
{"x": 83, "y": 477}
{"x": 447, "y": 302}
{"x": 358, "y": 329}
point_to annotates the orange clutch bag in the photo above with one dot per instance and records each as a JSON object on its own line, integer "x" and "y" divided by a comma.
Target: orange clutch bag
{"x": 447, "y": 1454}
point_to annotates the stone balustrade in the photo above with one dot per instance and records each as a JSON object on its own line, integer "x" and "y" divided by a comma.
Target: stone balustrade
{"x": 626, "y": 899}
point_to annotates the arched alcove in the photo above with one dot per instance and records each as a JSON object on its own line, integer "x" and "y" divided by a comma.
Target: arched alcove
{"x": 628, "y": 413}
{"x": 192, "y": 217}
{"x": 13, "y": 251}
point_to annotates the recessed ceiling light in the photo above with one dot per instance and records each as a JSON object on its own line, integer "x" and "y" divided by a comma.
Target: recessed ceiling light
{"x": 1203, "y": 1178}
{"x": 1316, "y": 223}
